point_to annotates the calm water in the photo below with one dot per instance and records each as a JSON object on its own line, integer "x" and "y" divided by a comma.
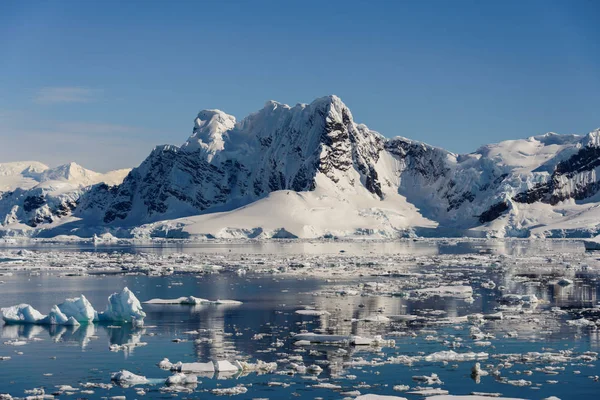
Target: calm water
{"x": 413, "y": 247}
{"x": 77, "y": 355}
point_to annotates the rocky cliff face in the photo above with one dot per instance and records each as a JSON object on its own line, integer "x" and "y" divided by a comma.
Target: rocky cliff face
{"x": 225, "y": 164}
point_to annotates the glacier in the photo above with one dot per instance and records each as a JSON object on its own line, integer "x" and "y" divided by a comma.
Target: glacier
{"x": 311, "y": 171}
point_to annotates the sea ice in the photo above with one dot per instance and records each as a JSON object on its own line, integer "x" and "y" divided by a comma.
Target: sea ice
{"x": 306, "y": 338}
{"x": 229, "y": 391}
{"x": 180, "y": 378}
{"x": 191, "y": 300}
{"x": 450, "y": 355}
{"x": 446, "y": 291}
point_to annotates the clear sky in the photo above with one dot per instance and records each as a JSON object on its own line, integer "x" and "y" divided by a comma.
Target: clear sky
{"x": 102, "y": 82}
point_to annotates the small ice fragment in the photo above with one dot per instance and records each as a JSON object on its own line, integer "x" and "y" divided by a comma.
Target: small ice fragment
{"x": 229, "y": 391}
{"x": 434, "y": 379}
{"x": 312, "y": 312}
{"x": 180, "y": 378}
{"x": 165, "y": 364}
{"x": 126, "y": 378}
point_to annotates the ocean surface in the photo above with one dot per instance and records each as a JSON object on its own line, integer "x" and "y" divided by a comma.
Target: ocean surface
{"x": 262, "y": 328}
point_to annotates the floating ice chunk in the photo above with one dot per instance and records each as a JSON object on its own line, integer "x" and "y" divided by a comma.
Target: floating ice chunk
{"x": 25, "y": 314}
{"x": 123, "y": 307}
{"x": 477, "y": 372}
{"x": 434, "y": 379}
{"x": 200, "y": 368}
{"x": 180, "y": 378}
{"x": 314, "y": 369}
{"x": 21, "y": 314}
{"x": 126, "y": 347}
{"x": 581, "y": 322}
{"x": 302, "y": 343}
{"x": 312, "y": 312}
{"x": 126, "y": 378}
{"x": 446, "y": 291}
{"x": 259, "y": 366}
{"x": 327, "y": 385}
{"x": 191, "y": 300}
{"x": 96, "y": 385}
{"x": 519, "y": 299}
{"x": 165, "y": 364}
{"x": 429, "y": 392}
{"x": 378, "y": 397}
{"x": 401, "y": 388}
{"x": 226, "y": 366}
{"x": 450, "y": 355}
{"x": 306, "y": 338}
{"x": 78, "y": 308}
{"x": 226, "y": 302}
{"x": 517, "y": 382}
{"x": 488, "y": 285}
{"x": 66, "y": 388}
{"x": 229, "y": 391}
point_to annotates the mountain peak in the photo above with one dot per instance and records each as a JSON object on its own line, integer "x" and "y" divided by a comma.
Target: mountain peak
{"x": 209, "y": 127}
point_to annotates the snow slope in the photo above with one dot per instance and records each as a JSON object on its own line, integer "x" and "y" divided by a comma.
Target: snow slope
{"x": 289, "y": 214}
{"x": 311, "y": 171}
{"x": 24, "y": 175}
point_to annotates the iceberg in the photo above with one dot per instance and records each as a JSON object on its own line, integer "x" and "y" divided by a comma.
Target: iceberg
{"x": 79, "y": 308}
{"x": 123, "y": 307}
{"x": 26, "y": 314}
{"x": 21, "y": 314}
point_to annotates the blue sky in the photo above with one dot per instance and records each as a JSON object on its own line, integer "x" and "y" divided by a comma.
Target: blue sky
{"x": 102, "y": 83}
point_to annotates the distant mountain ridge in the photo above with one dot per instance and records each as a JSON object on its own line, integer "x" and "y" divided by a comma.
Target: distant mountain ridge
{"x": 311, "y": 171}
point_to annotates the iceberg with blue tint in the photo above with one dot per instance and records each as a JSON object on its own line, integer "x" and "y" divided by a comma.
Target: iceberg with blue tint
{"x": 123, "y": 307}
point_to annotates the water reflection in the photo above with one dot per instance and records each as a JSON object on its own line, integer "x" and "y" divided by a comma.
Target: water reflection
{"x": 126, "y": 335}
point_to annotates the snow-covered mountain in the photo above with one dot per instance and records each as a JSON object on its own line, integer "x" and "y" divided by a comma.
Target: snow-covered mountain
{"x": 23, "y": 175}
{"x": 35, "y": 195}
{"x": 312, "y": 171}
